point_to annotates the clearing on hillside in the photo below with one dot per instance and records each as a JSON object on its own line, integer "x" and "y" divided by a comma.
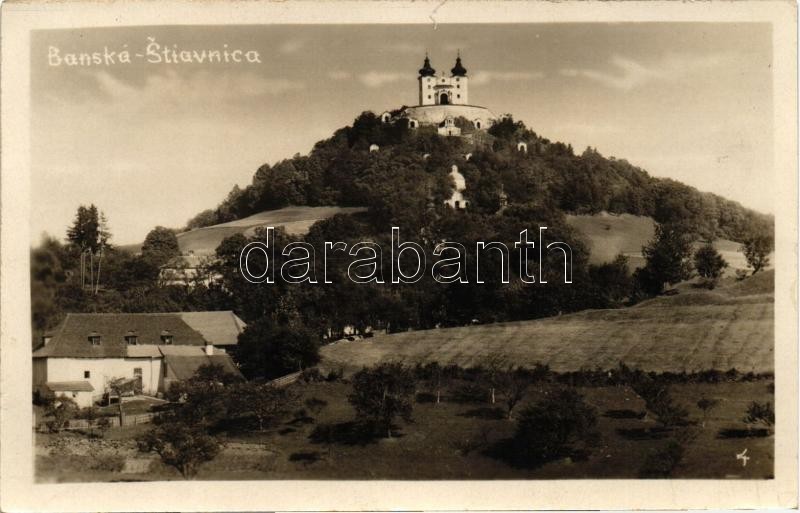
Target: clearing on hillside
{"x": 295, "y": 220}
{"x": 695, "y": 330}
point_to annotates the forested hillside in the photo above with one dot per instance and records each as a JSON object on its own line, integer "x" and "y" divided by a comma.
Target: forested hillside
{"x": 341, "y": 171}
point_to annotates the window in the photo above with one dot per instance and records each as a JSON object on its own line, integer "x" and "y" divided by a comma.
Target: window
{"x": 458, "y": 96}
{"x": 94, "y": 338}
{"x": 429, "y": 97}
{"x": 429, "y": 86}
{"x": 131, "y": 340}
{"x": 166, "y": 337}
{"x": 87, "y": 374}
{"x": 458, "y": 87}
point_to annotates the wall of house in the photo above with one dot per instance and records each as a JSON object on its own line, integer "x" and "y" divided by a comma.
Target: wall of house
{"x": 82, "y": 399}
{"x": 103, "y": 370}
{"x": 39, "y": 372}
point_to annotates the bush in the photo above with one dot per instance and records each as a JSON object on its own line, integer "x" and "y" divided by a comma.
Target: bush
{"x": 547, "y": 429}
{"x": 311, "y": 375}
{"x": 62, "y": 409}
{"x": 760, "y": 413}
{"x": 661, "y": 463}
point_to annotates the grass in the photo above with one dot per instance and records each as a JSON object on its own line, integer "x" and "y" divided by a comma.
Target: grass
{"x": 611, "y": 234}
{"x": 694, "y": 330}
{"x": 296, "y": 220}
{"x": 450, "y": 441}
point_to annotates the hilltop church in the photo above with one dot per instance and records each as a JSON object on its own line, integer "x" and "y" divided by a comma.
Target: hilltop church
{"x": 442, "y": 100}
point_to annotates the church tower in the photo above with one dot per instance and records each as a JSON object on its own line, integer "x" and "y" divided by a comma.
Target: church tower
{"x": 443, "y": 90}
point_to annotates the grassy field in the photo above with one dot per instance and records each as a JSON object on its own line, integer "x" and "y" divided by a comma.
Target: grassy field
{"x": 296, "y": 220}
{"x": 609, "y": 235}
{"x": 444, "y": 441}
{"x": 730, "y": 327}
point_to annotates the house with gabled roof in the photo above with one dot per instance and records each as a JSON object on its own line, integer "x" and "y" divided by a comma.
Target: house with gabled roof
{"x": 87, "y": 351}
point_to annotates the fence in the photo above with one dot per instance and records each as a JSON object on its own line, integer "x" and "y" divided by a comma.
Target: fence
{"x": 286, "y": 380}
{"x": 127, "y": 420}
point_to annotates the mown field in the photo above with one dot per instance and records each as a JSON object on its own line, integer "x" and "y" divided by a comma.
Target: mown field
{"x": 730, "y": 327}
{"x": 449, "y": 440}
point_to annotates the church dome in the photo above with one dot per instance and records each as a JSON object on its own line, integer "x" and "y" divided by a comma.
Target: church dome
{"x": 427, "y": 70}
{"x": 459, "y": 70}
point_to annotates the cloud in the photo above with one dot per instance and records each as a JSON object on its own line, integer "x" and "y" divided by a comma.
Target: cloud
{"x": 173, "y": 90}
{"x": 628, "y": 74}
{"x": 339, "y": 75}
{"x": 485, "y": 77}
{"x": 379, "y": 78}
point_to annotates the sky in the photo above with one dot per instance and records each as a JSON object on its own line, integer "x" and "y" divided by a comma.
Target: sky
{"x": 154, "y": 143}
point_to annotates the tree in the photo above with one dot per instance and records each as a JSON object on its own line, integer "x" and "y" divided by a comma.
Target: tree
{"x": 756, "y": 250}
{"x": 709, "y": 264}
{"x": 548, "y": 428}
{"x": 706, "y": 405}
{"x": 513, "y": 385}
{"x": 119, "y": 386}
{"x": 264, "y": 401}
{"x": 268, "y": 350}
{"x": 90, "y": 414}
{"x": 89, "y": 230}
{"x": 181, "y": 446}
{"x": 659, "y": 401}
{"x": 160, "y": 246}
{"x": 381, "y": 394}
{"x": 667, "y": 259}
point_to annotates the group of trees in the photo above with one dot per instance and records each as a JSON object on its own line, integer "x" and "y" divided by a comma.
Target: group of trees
{"x": 187, "y": 434}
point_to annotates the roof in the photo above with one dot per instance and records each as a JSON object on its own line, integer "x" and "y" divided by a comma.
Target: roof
{"x": 69, "y": 386}
{"x": 71, "y": 338}
{"x": 184, "y": 367}
{"x": 190, "y": 261}
{"x": 221, "y": 328}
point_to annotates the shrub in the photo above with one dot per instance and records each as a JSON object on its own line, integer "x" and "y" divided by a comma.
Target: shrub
{"x": 62, "y": 409}
{"x": 662, "y": 462}
{"x": 760, "y": 413}
{"x": 311, "y": 375}
{"x": 547, "y": 429}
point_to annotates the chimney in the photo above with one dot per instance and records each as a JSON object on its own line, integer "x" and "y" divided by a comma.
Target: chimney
{"x": 46, "y": 339}
{"x": 209, "y": 349}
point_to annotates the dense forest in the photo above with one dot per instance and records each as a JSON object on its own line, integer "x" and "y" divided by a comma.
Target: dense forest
{"x": 403, "y": 184}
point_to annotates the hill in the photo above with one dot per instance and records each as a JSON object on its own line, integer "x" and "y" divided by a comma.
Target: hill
{"x": 731, "y": 327}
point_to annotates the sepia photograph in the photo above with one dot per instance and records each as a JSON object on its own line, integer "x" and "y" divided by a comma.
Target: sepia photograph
{"x": 406, "y": 251}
